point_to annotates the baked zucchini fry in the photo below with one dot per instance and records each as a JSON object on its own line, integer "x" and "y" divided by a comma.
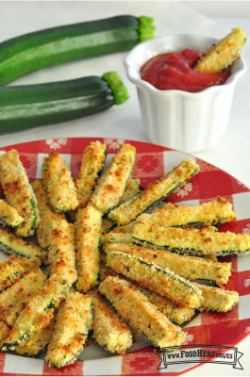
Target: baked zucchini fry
{"x": 213, "y": 213}
{"x": 37, "y": 342}
{"x": 93, "y": 160}
{"x": 217, "y": 299}
{"x": 18, "y": 192}
{"x": 223, "y": 53}
{"x": 142, "y": 316}
{"x": 73, "y": 321}
{"x": 47, "y": 214}
{"x": 197, "y": 242}
{"x": 174, "y": 313}
{"x": 58, "y": 183}
{"x": 62, "y": 259}
{"x": 186, "y": 266}
{"x": 112, "y": 183}
{"x": 14, "y": 299}
{"x": 37, "y": 313}
{"x": 11, "y": 244}
{"x": 161, "y": 281}
{"x": 29, "y": 264}
{"x": 108, "y": 329}
{"x": 154, "y": 192}
{"x": 10, "y": 272}
{"x": 131, "y": 190}
{"x": 9, "y": 214}
{"x": 87, "y": 237}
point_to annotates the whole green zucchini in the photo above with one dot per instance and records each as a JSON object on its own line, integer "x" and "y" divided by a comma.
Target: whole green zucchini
{"x": 28, "y": 106}
{"x": 45, "y": 48}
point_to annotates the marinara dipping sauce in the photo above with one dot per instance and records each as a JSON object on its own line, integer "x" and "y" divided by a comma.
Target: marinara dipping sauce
{"x": 175, "y": 71}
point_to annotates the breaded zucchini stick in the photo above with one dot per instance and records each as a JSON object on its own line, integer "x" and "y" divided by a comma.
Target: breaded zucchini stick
{"x": 14, "y": 299}
{"x": 174, "y": 313}
{"x": 47, "y": 214}
{"x": 186, "y": 266}
{"x": 37, "y": 342}
{"x": 108, "y": 329}
{"x": 18, "y": 192}
{"x": 11, "y": 244}
{"x": 73, "y": 321}
{"x": 93, "y": 160}
{"x": 223, "y": 53}
{"x": 112, "y": 183}
{"x": 29, "y": 264}
{"x": 142, "y": 316}
{"x": 10, "y": 273}
{"x": 214, "y": 213}
{"x": 217, "y": 299}
{"x": 154, "y": 192}
{"x": 131, "y": 190}
{"x": 9, "y": 214}
{"x": 62, "y": 259}
{"x": 161, "y": 281}
{"x": 87, "y": 236}
{"x": 37, "y": 313}
{"x": 58, "y": 183}
{"x": 197, "y": 242}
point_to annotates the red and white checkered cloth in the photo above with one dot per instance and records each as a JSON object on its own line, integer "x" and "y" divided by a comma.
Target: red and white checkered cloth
{"x": 152, "y": 162}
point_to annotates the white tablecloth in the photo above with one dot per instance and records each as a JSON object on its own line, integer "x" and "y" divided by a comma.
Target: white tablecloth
{"x": 230, "y": 154}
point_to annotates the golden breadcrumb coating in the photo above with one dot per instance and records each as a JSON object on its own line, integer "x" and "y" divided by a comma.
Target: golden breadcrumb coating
{"x": 62, "y": 258}
{"x": 154, "y": 191}
{"x": 108, "y": 329}
{"x": 87, "y": 236}
{"x": 72, "y": 324}
{"x": 140, "y": 314}
{"x": 58, "y": 183}
{"x": 47, "y": 214}
{"x": 112, "y": 183}
{"x": 18, "y": 192}
{"x": 9, "y": 214}
{"x": 193, "y": 241}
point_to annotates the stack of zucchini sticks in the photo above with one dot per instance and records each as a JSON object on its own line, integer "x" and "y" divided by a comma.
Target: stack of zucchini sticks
{"x": 106, "y": 262}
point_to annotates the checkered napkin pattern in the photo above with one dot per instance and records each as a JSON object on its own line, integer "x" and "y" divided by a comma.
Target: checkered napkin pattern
{"x": 152, "y": 162}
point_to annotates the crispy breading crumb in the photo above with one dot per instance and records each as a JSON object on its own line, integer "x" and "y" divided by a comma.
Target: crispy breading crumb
{"x": 58, "y": 183}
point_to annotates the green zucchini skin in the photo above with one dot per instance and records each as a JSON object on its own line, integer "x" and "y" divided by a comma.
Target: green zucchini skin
{"x": 29, "y": 106}
{"x": 45, "y": 48}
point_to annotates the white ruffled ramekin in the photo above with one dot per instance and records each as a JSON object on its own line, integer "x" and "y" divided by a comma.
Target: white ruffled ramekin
{"x": 189, "y": 122}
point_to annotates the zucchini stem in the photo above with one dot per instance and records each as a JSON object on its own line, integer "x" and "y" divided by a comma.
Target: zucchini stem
{"x": 146, "y": 28}
{"x": 119, "y": 90}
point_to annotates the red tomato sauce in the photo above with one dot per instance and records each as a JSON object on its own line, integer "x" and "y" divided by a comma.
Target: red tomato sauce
{"x": 175, "y": 71}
